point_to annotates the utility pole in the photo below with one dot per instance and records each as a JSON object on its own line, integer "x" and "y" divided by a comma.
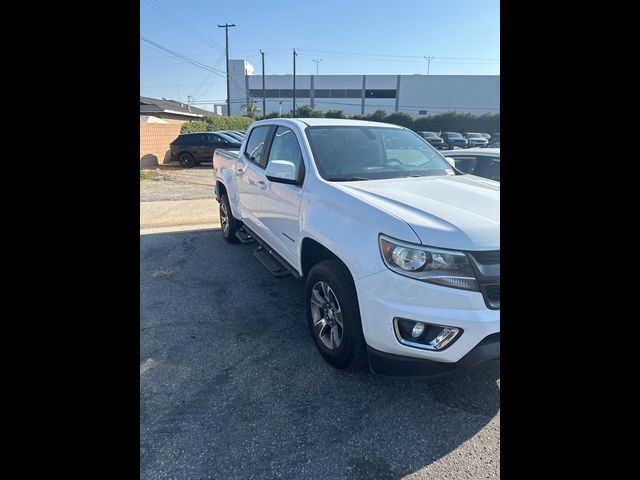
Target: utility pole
{"x": 226, "y": 27}
{"x": 317, "y": 60}
{"x": 264, "y": 101}
{"x": 428, "y": 59}
{"x": 294, "y": 82}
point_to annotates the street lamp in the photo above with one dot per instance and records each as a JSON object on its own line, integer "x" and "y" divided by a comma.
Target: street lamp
{"x": 317, "y": 60}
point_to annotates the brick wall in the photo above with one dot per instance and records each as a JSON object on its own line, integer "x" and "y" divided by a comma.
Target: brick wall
{"x": 154, "y": 143}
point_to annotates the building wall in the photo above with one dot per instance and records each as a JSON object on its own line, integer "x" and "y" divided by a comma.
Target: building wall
{"x": 154, "y": 142}
{"x": 414, "y": 94}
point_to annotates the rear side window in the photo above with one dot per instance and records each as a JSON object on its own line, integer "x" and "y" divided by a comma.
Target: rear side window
{"x": 213, "y": 138}
{"x": 255, "y": 145}
{"x": 194, "y": 139}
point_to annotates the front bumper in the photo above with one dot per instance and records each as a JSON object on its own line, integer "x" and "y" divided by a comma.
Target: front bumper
{"x": 386, "y": 295}
{"x": 394, "y": 365}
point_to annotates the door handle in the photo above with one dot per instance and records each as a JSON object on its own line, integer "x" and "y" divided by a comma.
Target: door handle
{"x": 262, "y": 185}
{"x": 239, "y": 172}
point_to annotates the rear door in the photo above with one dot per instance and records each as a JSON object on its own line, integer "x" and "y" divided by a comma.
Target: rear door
{"x": 278, "y": 204}
{"x": 250, "y": 165}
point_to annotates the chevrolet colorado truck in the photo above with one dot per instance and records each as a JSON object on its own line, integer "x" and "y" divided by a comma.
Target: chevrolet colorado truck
{"x": 399, "y": 251}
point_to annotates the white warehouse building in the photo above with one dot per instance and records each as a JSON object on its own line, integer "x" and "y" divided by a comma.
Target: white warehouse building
{"x": 364, "y": 94}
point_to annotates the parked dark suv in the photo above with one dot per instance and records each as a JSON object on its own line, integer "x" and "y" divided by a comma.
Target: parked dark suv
{"x": 433, "y": 139}
{"x": 454, "y": 139}
{"x": 192, "y": 148}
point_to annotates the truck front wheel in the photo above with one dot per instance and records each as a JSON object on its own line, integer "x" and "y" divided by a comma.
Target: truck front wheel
{"x": 333, "y": 315}
{"x": 228, "y": 224}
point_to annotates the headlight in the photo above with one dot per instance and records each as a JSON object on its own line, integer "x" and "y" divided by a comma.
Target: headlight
{"x": 434, "y": 265}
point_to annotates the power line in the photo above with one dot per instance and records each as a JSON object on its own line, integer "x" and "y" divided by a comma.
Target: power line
{"x": 393, "y": 55}
{"x": 182, "y": 57}
{"x": 164, "y": 11}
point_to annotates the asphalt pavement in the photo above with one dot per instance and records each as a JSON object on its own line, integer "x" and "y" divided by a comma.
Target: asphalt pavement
{"x": 232, "y": 387}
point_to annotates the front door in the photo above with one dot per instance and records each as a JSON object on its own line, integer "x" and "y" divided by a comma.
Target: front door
{"x": 278, "y": 205}
{"x": 249, "y": 167}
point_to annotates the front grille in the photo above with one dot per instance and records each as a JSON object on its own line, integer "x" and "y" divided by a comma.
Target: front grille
{"x": 489, "y": 257}
{"x": 492, "y": 295}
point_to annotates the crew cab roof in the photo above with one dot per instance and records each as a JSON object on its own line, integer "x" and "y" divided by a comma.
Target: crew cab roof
{"x": 327, "y": 122}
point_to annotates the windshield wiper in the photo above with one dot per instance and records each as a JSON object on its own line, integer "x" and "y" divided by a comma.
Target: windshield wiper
{"x": 346, "y": 179}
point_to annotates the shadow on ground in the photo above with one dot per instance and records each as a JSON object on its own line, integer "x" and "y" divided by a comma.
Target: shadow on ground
{"x": 232, "y": 386}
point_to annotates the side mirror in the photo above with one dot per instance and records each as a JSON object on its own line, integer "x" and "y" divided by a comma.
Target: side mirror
{"x": 284, "y": 171}
{"x": 451, "y": 161}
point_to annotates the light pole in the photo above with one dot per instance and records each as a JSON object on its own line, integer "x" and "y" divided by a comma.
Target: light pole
{"x": 428, "y": 59}
{"x": 317, "y": 60}
{"x": 280, "y": 108}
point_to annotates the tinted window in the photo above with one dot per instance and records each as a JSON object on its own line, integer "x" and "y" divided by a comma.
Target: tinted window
{"x": 466, "y": 164}
{"x": 255, "y": 145}
{"x": 285, "y": 147}
{"x": 453, "y": 135}
{"x": 380, "y": 93}
{"x": 475, "y": 135}
{"x": 193, "y": 139}
{"x": 367, "y": 153}
{"x": 428, "y": 134}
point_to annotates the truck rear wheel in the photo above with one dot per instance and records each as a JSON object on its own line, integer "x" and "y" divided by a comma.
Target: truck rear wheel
{"x": 228, "y": 224}
{"x": 333, "y": 315}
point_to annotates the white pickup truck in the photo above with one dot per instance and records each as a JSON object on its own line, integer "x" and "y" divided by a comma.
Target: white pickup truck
{"x": 399, "y": 252}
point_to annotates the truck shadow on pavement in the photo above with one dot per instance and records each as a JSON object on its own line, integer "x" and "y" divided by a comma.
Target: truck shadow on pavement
{"x": 231, "y": 384}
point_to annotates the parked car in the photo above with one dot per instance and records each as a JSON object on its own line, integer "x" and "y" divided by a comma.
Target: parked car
{"x": 193, "y": 148}
{"x": 433, "y": 139}
{"x": 486, "y": 135}
{"x": 483, "y": 162}
{"x": 399, "y": 252}
{"x": 476, "y": 140}
{"x": 233, "y": 134}
{"x": 454, "y": 139}
{"x": 495, "y": 143}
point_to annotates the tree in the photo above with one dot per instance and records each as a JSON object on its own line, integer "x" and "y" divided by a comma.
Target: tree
{"x": 251, "y": 109}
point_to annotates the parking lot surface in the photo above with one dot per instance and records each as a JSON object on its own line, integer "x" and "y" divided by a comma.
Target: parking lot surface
{"x": 232, "y": 387}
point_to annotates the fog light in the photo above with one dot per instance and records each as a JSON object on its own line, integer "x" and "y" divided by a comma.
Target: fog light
{"x": 417, "y": 330}
{"x": 444, "y": 337}
{"x": 423, "y": 335}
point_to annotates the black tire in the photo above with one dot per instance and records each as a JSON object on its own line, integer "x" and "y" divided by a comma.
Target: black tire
{"x": 186, "y": 160}
{"x": 231, "y": 225}
{"x": 352, "y": 350}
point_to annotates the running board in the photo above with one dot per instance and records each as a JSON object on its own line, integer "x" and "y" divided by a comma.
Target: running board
{"x": 243, "y": 236}
{"x": 274, "y": 267}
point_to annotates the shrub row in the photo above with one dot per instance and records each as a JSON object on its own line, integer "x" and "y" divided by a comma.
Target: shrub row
{"x": 449, "y": 121}
{"x": 216, "y": 122}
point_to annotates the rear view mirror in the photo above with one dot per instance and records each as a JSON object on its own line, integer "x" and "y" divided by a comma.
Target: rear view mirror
{"x": 284, "y": 171}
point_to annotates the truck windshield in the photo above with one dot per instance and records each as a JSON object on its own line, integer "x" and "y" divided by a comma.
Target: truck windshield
{"x": 345, "y": 153}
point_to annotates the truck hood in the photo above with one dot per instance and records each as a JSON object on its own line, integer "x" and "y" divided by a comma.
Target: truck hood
{"x": 457, "y": 212}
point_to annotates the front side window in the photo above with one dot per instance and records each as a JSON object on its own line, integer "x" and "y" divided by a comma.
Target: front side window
{"x": 255, "y": 145}
{"x": 492, "y": 170}
{"x": 466, "y": 164}
{"x": 213, "y": 138}
{"x": 344, "y": 153}
{"x": 285, "y": 147}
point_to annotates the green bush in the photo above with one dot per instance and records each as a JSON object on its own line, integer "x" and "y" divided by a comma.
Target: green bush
{"x": 306, "y": 111}
{"x": 217, "y": 122}
{"x": 458, "y": 122}
{"x": 335, "y": 114}
{"x": 401, "y": 118}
